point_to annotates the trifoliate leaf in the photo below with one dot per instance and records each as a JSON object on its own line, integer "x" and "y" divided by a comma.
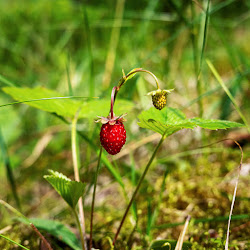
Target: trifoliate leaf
{"x": 69, "y": 190}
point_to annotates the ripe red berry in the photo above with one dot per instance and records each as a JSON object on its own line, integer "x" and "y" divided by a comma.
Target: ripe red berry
{"x": 113, "y": 136}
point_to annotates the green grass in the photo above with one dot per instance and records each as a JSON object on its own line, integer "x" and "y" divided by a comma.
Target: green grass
{"x": 64, "y": 46}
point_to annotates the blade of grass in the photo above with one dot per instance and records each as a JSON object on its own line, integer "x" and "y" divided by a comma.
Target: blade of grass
{"x": 219, "y": 79}
{"x": 76, "y": 166}
{"x": 15, "y": 211}
{"x": 149, "y": 216}
{"x": 90, "y": 54}
{"x": 182, "y": 235}
{"x": 12, "y": 241}
{"x": 91, "y": 82}
{"x": 221, "y": 5}
{"x": 93, "y": 198}
{"x": 159, "y": 202}
{"x": 198, "y": 65}
{"x": 234, "y": 196}
{"x": 114, "y": 39}
{"x": 9, "y": 172}
{"x": 7, "y": 82}
{"x": 178, "y": 11}
{"x": 68, "y": 76}
{"x": 147, "y": 16}
{"x": 133, "y": 180}
{"x": 238, "y": 77}
{"x": 204, "y": 37}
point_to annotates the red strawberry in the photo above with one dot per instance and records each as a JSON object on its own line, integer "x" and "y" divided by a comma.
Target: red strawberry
{"x": 113, "y": 136}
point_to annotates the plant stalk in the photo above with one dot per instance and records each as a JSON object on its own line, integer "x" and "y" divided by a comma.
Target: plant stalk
{"x": 125, "y": 78}
{"x": 76, "y": 165}
{"x": 46, "y": 243}
{"x": 137, "y": 188}
{"x": 80, "y": 229}
{"x": 93, "y": 199}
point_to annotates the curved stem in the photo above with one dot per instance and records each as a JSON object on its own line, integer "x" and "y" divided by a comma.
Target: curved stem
{"x": 125, "y": 78}
{"x": 76, "y": 165}
{"x": 113, "y": 94}
{"x": 146, "y": 71}
{"x": 93, "y": 199}
{"x": 137, "y": 188}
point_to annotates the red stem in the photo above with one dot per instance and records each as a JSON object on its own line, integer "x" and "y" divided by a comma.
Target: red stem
{"x": 112, "y": 102}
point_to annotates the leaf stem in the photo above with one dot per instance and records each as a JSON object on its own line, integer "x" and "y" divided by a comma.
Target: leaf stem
{"x": 76, "y": 166}
{"x": 93, "y": 199}
{"x": 137, "y": 188}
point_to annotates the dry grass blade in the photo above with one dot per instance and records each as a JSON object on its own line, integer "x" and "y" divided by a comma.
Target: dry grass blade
{"x": 182, "y": 235}
{"x": 236, "y": 185}
{"x": 234, "y": 195}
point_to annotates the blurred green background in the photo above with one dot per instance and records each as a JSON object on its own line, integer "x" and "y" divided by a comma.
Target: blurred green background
{"x": 88, "y": 43}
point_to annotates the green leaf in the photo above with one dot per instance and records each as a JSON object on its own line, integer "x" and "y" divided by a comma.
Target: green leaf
{"x": 58, "y": 230}
{"x": 215, "y": 124}
{"x": 70, "y": 190}
{"x": 95, "y": 108}
{"x": 169, "y": 120}
{"x": 63, "y": 107}
{"x": 168, "y": 244}
{"x": 66, "y": 107}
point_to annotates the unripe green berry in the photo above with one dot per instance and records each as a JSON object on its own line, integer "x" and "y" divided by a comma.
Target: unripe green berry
{"x": 159, "y": 100}
{"x": 159, "y": 97}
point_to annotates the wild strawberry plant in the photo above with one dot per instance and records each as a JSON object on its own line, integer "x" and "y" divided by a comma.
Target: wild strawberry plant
{"x": 160, "y": 119}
